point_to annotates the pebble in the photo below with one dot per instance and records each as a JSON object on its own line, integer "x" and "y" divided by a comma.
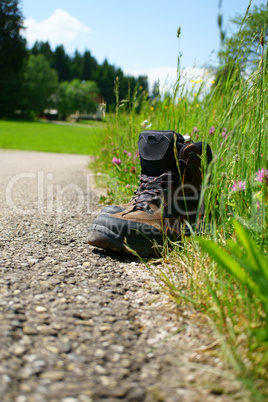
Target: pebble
{"x": 40, "y": 309}
{"x": 53, "y": 375}
{"x": 29, "y": 330}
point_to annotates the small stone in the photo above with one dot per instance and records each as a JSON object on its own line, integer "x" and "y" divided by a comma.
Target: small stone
{"x": 40, "y": 309}
{"x": 99, "y": 353}
{"x": 39, "y": 366}
{"x": 52, "y": 349}
{"x": 32, "y": 260}
{"x": 126, "y": 363}
{"x": 21, "y": 398}
{"x": 18, "y": 350}
{"x": 107, "y": 381}
{"x": 46, "y": 330}
{"x": 117, "y": 348}
{"x": 105, "y": 327}
{"x": 190, "y": 378}
{"x": 25, "y": 388}
{"x": 53, "y": 375}
{"x": 100, "y": 369}
{"x": 71, "y": 367}
{"x": 16, "y": 291}
{"x": 29, "y": 330}
{"x": 136, "y": 394}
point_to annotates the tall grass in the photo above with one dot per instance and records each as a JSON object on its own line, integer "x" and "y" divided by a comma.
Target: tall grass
{"x": 231, "y": 116}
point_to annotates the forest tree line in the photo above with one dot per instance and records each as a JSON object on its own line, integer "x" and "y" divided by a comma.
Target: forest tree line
{"x": 33, "y": 79}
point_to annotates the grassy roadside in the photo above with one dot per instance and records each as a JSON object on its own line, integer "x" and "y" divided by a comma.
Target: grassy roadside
{"x": 48, "y": 137}
{"x": 225, "y": 275}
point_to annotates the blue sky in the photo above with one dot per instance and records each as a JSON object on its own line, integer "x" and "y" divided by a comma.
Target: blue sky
{"x": 139, "y": 36}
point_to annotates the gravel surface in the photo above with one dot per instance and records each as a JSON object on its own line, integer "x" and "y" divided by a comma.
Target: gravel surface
{"x": 78, "y": 324}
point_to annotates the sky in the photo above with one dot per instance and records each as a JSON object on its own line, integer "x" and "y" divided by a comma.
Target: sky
{"x": 138, "y": 36}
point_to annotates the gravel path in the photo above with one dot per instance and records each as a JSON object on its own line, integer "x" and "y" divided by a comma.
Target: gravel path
{"x": 78, "y": 324}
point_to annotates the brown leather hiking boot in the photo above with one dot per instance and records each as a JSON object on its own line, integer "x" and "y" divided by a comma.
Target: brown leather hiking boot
{"x": 169, "y": 194}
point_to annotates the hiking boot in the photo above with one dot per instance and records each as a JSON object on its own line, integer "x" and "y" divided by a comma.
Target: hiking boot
{"x": 168, "y": 194}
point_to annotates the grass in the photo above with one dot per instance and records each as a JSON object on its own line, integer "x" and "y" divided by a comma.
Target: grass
{"x": 228, "y": 282}
{"x": 48, "y": 137}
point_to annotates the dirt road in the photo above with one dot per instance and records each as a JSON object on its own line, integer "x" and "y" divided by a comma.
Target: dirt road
{"x": 76, "y": 323}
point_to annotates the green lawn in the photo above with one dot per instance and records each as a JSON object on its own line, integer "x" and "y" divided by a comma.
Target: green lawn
{"x": 48, "y": 137}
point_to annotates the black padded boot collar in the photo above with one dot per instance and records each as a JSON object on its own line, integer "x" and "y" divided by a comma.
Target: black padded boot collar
{"x": 156, "y": 149}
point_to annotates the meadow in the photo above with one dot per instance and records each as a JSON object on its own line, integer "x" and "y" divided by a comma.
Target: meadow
{"x": 49, "y": 137}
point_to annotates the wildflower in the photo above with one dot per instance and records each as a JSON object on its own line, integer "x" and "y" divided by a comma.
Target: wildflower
{"x": 192, "y": 80}
{"x": 146, "y": 125}
{"x": 152, "y": 108}
{"x": 224, "y": 133}
{"x": 116, "y": 161}
{"x": 238, "y": 185}
{"x": 186, "y": 138}
{"x": 127, "y": 185}
{"x": 195, "y": 130}
{"x": 197, "y": 105}
{"x": 166, "y": 107}
{"x": 262, "y": 175}
{"x": 137, "y": 155}
{"x": 195, "y": 94}
{"x": 128, "y": 153}
{"x": 212, "y": 130}
{"x": 213, "y": 82}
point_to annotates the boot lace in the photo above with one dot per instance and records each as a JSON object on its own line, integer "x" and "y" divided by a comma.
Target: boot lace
{"x": 153, "y": 190}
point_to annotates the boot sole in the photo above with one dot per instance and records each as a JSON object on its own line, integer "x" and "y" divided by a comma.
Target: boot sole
{"x": 101, "y": 237}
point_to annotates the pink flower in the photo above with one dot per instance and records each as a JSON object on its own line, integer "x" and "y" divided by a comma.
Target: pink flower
{"x": 262, "y": 175}
{"x": 224, "y": 133}
{"x": 195, "y": 130}
{"x": 212, "y": 130}
{"x": 128, "y": 153}
{"x": 238, "y": 185}
{"x": 116, "y": 161}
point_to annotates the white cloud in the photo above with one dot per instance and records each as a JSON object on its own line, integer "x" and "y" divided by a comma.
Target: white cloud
{"x": 59, "y": 28}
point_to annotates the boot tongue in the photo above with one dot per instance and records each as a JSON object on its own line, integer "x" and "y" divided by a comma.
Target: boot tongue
{"x": 156, "y": 149}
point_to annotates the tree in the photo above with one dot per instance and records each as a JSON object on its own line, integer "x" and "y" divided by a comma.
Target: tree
{"x": 43, "y": 48}
{"x": 12, "y": 56}
{"x": 76, "y": 96}
{"x": 89, "y": 66}
{"x": 61, "y": 63}
{"x": 246, "y": 46}
{"x": 40, "y": 81}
